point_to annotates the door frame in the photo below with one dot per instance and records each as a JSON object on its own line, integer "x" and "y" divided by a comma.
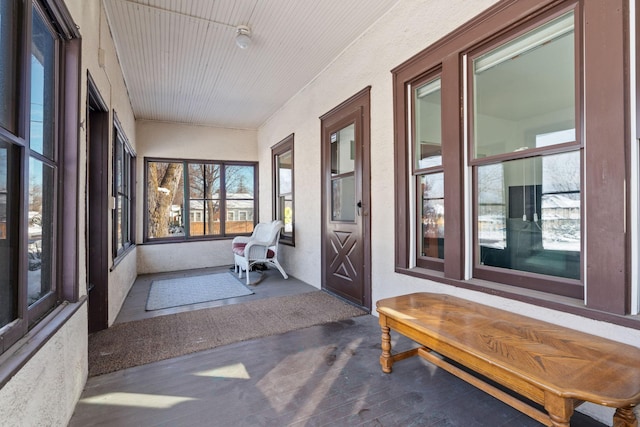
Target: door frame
{"x": 360, "y": 102}
{"x": 97, "y": 213}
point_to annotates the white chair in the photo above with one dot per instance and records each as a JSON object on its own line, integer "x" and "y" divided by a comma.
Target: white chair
{"x": 259, "y": 248}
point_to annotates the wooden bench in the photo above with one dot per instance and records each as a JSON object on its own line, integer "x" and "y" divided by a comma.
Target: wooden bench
{"x": 555, "y": 367}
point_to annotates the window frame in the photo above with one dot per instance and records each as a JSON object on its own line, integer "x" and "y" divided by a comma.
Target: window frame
{"x": 127, "y": 172}
{"x": 605, "y": 261}
{"x": 423, "y": 261}
{"x": 223, "y": 164}
{"x": 283, "y": 147}
{"x": 44, "y": 314}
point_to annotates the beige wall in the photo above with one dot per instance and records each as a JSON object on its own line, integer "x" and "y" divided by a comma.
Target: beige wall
{"x": 46, "y": 389}
{"x": 167, "y": 140}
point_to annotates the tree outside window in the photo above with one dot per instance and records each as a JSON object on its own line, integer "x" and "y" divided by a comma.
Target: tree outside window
{"x": 209, "y": 194}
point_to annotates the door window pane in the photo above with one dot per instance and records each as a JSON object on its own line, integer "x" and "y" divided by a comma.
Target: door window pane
{"x": 537, "y": 227}
{"x": 41, "y": 220}
{"x": 526, "y": 88}
{"x": 165, "y": 199}
{"x": 343, "y": 199}
{"x": 432, "y": 215}
{"x": 42, "y": 88}
{"x": 343, "y": 150}
{"x": 428, "y": 125}
{"x": 8, "y": 64}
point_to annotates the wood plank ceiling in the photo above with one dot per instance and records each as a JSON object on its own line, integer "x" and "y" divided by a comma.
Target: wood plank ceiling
{"x": 181, "y": 63}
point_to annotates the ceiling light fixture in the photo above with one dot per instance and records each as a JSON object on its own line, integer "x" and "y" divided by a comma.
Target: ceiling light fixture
{"x": 243, "y": 36}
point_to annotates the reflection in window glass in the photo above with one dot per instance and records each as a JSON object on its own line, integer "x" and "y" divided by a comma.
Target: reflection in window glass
{"x": 432, "y": 203}
{"x": 525, "y": 88}
{"x": 8, "y": 65}
{"x": 42, "y": 88}
{"x": 343, "y": 150}
{"x": 343, "y": 199}
{"x": 8, "y": 240}
{"x": 538, "y": 228}
{"x": 428, "y": 125}
{"x": 165, "y": 199}
{"x": 40, "y": 249}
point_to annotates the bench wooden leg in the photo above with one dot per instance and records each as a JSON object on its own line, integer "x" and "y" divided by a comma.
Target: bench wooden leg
{"x": 559, "y": 409}
{"x": 625, "y": 417}
{"x": 386, "y": 360}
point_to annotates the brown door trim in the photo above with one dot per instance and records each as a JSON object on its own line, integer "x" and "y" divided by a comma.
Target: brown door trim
{"x": 360, "y": 102}
{"x": 98, "y": 209}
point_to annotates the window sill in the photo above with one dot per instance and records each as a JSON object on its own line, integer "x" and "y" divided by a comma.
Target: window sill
{"x": 540, "y": 299}
{"x": 21, "y": 352}
{"x": 122, "y": 256}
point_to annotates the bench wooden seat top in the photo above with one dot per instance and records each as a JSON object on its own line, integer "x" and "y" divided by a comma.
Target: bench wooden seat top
{"x": 554, "y": 366}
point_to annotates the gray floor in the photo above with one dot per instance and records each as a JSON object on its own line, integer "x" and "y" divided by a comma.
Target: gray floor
{"x": 326, "y": 375}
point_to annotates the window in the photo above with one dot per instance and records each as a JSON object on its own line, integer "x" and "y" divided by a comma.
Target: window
{"x": 38, "y": 190}
{"x": 218, "y": 198}
{"x": 427, "y": 154}
{"x": 283, "y": 188}
{"x": 507, "y": 134}
{"x": 123, "y": 190}
{"x": 523, "y": 111}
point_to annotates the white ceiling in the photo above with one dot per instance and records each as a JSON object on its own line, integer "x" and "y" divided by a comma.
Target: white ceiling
{"x": 181, "y": 63}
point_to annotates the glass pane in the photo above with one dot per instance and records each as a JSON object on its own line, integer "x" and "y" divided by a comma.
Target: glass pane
{"x": 529, "y": 215}
{"x": 204, "y": 181}
{"x": 165, "y": 200}
{"x": 8, "y": 240}
{"x": 239, "y": 182}
{"x": 343, "y": 199}
{"x": 524, "y": 89}
{"x": 284, "y": 200}
{"x": 343, "y": 150}
{"x": 41, "y": 235}
{"x": 42, "y": 87}
{"x": 119, "y": 225}
{"x": 432, "y": 202}
{"x": 8, "y": 64}
{"x": 428, "y": 125}
{"x": 204, "y": 217}
{"x": 242, "y": 213}
{"x": 285, "y": 169}
{"x": 492, "y": 214}
{"x": 119, "y": 170}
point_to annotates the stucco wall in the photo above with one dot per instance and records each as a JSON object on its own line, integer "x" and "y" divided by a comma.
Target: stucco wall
{"x": 396, "y": 37}
{"x": 167, "y": 140}
{"x": 45, "y": 391}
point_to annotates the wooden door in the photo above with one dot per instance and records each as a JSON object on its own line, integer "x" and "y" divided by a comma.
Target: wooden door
{"x": 346, "y": 253}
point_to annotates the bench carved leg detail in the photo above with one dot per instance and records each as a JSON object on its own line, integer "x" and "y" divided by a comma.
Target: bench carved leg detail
{"x": 625, "y": 417}
{"x": 385, "y": 359}
{"x": 559, "y": 410}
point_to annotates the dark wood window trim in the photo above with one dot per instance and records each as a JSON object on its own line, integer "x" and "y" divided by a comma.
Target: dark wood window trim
{"x": 47, "y": 315}
{"x": 282, "y": 147}
{"x": 605, "y": 113}
{"x": 187, "y": 238}
{"x": 128, "y": 174}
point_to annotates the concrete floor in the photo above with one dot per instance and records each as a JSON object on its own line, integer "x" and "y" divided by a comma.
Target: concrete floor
{"x": 327, "y": 375}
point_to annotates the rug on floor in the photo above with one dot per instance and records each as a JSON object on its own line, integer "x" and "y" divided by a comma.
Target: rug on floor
{"x": 193, "y": 290}
{"x": 125, "y": 345}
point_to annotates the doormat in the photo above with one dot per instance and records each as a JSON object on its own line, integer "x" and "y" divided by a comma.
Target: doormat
{"x": 168, "y": 293}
